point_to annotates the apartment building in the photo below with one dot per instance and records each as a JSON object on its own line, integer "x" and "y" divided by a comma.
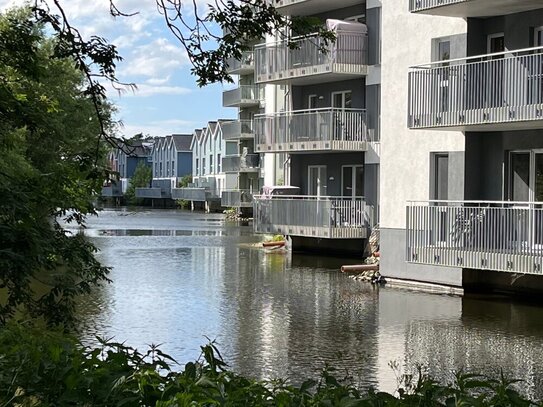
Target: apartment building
{"x": 241, "y": 163}
{"x": 123, "y": 160}
{"x": 208, "y": 178}
{"x": 322, "y": 125}
{"x": 172, "y": 160}
{"x": 476, "y": 217}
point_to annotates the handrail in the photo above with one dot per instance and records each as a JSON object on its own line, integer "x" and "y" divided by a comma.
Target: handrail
{"x": 286, "y": 41}
{"x": 475, "y": 202}
{"x": 508, "y": 54}
{"x": 320, "y": 109}
{"x": 311, "y": 197}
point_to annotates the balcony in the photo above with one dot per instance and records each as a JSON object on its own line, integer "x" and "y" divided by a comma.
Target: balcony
{"x": 191, "y": 194}
{"x": 311, "y": 7}
{"x": 327, "y": 129}
{"x": 243, "y": 96}
{"x": 112, "y": 191}
{"x": 310, "y": 216}
{"x": 237, "y": 130}
{"x": 237, "y": 198}
{"x": 472, "y": 8}
{"x": 153, "y": 193}
{"x": 238, "y": 163}
{"x": 345, "y": 59}
{"x": 495, "y": 92}
{"x": 501, "y": 236}
{"x": 243, "y": 66}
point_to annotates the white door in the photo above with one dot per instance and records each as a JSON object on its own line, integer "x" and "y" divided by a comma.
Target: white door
{"x": 317, "y": 181}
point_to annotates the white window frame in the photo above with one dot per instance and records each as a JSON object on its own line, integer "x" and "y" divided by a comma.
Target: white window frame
{"x": 343, "y": 93}
{"x": 489, "y": 39}
{"x": 353, "y": 179}
{"x": 537, "y": 30}
{"x": 309, "y": 97}
{"x": 319, "y": 167}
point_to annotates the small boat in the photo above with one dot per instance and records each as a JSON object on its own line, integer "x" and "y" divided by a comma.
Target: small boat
{"x": 274, "y": 245}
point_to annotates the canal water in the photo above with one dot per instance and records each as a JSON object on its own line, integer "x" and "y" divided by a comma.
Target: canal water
{"x": 181, "y": 277}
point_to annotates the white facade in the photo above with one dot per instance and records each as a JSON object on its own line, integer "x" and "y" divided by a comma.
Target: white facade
{"x": 208, "y": 148}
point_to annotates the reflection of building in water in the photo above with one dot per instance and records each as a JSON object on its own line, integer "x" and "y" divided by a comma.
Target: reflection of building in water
{"x": 289, "y": 322}
{"x": 490, "y": 337}
{"x": 399, "y": 309}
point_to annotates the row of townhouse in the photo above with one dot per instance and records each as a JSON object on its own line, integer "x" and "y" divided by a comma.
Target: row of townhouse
{"x": 446, "y": 156}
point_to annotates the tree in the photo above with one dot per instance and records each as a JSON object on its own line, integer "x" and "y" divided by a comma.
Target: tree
{"x": 51, "y": 168}
{"x": 142, "y": 177}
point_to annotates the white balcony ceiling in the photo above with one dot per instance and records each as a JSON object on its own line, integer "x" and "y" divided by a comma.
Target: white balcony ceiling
{"x": 484, "y": 8}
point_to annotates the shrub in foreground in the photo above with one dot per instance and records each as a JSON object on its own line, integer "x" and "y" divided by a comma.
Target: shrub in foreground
{"x": 39, "y": 368}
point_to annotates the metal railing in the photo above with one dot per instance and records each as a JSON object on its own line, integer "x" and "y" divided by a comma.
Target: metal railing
{"x": 242, "y": 95}
{"x": 311, "y": 56}
{"x": 495, "y": 88}
{"x": 152, "y": 193}
{"x": 190, "y": 194}
{"x": 502, "y": 236}
{"x": 239, "y": 163}
{"x": 111, "y": 191}
{"x": 315, "y": 129}
{"x": 244, "y": 64}
{"x": 312, "y": 216}
{"x": 419, "y": 5}
{"x": 237, "y": 198}
{"x": 237, "y": 129}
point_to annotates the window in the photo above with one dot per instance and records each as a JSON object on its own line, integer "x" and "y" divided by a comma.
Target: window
{"x": 219, "y": 163}
{"x": 197, "y": 167}
{"x": 342, "y": 100}
{"x": 211, "y": 164}
{"x": 173, "y": 168}
{"x": 538, "y": 37}
{"x": 167, "y": 168}
{"x": 495, "y": 44}
{"x": 443, "y": 51}
{"x": 526, "y": 175}
{"x": 161, "y": 174}
{"x": 203, "y": 166}
{"x": 312, "y": 101}
{"x": 441, "y": 177}
{"x": 317, "y": 181}
{"x": 352, "y": 181}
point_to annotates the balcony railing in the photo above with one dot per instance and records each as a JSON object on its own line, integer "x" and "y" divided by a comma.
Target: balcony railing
{"x": 344, "y": 59}
{"x": 502, "y": 236}
{"x": 237, "y": 198}
{"x": 238, "y": 129}
{"x": 482, "y": 91}
{"x": 471, "y": 8}
{"x": 112, "y": 191}
{"x": 327, "y": 129}
{"x": 155, "y": 193}
{"x": 242, "y": 66}
{"x": 243, "y": 95}
{"x": 191, "y": 194}
{"x": 311, "y": 216}
{"x": 240, "y": 163}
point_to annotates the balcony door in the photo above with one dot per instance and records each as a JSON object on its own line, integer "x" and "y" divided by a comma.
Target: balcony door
{"x": 494, "y": 71}
{"x": 317, "y": 181}
{"x": 352, "y": 181}
{"x": 343, "y": 128}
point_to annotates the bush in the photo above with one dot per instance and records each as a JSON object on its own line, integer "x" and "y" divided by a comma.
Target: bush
{"x": 49, "y": 368}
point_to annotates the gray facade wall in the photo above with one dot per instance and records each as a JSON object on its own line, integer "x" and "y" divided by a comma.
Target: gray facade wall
{"x": 373, "y": 20}
{"x": 518, "y": 29}
{"x": 300, "y": 94}
{"x": 333, "y": 162}
{"x": 487, "y": 161}
{"x": 393, "y": 264}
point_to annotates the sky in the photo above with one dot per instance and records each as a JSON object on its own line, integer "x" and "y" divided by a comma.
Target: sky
{"x": 167, "y": 100}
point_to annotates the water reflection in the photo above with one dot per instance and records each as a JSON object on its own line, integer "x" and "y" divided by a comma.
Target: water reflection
{"x": 179, "y": 278}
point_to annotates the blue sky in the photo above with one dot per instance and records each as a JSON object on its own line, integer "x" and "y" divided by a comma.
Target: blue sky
{"x": 168, "y": 100}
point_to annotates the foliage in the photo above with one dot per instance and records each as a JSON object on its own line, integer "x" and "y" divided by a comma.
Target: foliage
{"x": 277, "y": 238}
{"x": 142, "y": 177}
{"x": 182, "y": 203}
{"x": 185, "y": 181}
{"x": 48, "y": 368}
{"x": 50, "y": 169}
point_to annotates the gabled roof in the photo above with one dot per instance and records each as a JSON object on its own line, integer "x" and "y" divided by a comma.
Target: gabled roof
{"x": 182, "y": 141}
{"x": 133, "y": 148}
{"x": 196, "y": 138}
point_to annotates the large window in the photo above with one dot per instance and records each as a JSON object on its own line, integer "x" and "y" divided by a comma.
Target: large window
{"x": 342, "y": 100}
{"x": 352, "y": 180}
{"x": 526, "y": 176}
